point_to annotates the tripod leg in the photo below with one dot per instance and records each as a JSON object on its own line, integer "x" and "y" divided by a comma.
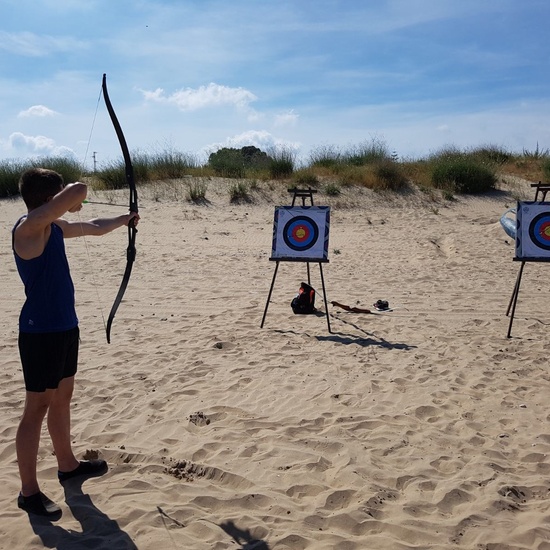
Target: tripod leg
{"x": 516, "y": 288}
{"x": 270, "y": 292}
{"x": 514, "y": 300}
{"x": 325, "y": 297}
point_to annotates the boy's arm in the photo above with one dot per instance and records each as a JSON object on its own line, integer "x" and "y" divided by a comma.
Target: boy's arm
{"x": 96, "y": 227}
{"x": 32, "y": 234}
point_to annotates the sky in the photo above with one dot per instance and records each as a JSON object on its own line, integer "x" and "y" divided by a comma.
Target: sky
{"x": 193, "y": 76}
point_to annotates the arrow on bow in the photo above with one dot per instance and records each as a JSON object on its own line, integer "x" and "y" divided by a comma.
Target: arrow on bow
{"x": 132, "y": 231}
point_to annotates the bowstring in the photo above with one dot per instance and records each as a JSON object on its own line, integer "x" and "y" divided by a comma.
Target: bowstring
{"x": 94, "y": 282}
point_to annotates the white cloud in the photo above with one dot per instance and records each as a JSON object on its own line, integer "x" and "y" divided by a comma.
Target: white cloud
{"x": 36, "y": 45}
{"x": 20, "y": 144}
{"x": 286, "y": 119}
{"x": 37, "y": 111}
{"x": 213, "y": 95}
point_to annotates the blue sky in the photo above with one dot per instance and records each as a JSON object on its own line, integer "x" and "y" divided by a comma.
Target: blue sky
{"x": 196, "y": 75}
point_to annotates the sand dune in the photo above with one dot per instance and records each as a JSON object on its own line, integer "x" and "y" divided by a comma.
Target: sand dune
{"x": 422, "y": 428}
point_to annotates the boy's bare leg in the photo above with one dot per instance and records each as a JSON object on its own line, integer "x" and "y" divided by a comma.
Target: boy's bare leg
{"x": 59, "y": 425}
{"x": 28, "y": 439}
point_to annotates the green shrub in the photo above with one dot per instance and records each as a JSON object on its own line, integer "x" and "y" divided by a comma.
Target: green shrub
{"x": 329, "y": 156}
{"x": 10, "y": 172}
{"x": 112, "y": 176}
{"x": 233, "y": 163}
{"x": 170, "y": 164}
{"x": 306, "y": 177}
{"x": 357, "y": 175}
{"x": 463, "y": 175}
{"x": 390, "y": 175}
{"x": 69, "y": 168}
{"x": 332, "y": 189}
{"x": 546, "y": 169}
{"x": 141, "y": 163}
{"x": 282, "y": 163}
{"x": 367, "y": 153}
{"x": 227, "y": 163}
{"x": 239, "y": 192}
{"x": 537, "y": 153}
{"x": 196, "y": 191}
{"x": 325, "y": 156}
{"x": 255, "y": 158}
{"x": 491, "y": 154}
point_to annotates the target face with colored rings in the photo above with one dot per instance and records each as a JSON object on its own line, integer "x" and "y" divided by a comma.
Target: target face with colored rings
{"x": 539, "y": 230}
{"x": 300, "y": 233}
{"x": 533, "y": 231}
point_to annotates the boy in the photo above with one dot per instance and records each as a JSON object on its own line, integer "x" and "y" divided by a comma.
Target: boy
{"x": 48, "y": 327}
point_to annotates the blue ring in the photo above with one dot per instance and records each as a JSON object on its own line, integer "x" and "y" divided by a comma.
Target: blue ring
{"x": 289, "y": 228}
{"x": 534, "y": 230}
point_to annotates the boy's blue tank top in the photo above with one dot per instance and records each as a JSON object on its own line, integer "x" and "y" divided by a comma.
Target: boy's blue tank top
{"x": 50, "y": 303}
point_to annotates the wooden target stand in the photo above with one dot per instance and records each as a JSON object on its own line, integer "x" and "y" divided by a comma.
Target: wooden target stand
{"x": 540, "y": 196}
{"x": 302, "y": 194}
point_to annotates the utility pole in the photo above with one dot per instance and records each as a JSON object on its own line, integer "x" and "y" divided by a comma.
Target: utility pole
{"x": 95, "y": 161}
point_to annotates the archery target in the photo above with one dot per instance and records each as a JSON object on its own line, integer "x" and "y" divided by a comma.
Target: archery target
{"x": 533, "y": 233}
{"x": 539, "y": 230}
{"x": 301, "y": 233}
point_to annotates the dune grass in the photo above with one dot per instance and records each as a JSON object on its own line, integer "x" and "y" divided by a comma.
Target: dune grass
{"x": 329, "y": 168}
{"x": 11, "y": 170}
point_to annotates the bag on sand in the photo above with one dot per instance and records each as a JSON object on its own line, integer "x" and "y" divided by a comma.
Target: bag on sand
{"x": 304, "y": 302}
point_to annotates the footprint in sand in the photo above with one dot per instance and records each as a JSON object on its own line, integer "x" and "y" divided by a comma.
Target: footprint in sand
{"x": 199, "y": 419}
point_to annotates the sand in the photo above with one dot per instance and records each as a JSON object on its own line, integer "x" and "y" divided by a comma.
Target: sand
{"x": 425, "y": 427}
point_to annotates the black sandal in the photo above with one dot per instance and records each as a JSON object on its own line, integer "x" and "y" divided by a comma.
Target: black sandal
{"x": 88, "y": 468}
{"x": 40, "y": 505}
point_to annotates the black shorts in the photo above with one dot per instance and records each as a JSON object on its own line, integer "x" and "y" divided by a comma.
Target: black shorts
{"x": 47, "y": 358}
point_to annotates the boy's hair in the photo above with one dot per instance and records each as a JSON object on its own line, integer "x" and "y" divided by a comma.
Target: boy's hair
{"x": 37, "y": 184}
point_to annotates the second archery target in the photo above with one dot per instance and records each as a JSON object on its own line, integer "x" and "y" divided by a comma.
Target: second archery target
{"x": 533, "y": 231}
{"x": 301, "y": 233}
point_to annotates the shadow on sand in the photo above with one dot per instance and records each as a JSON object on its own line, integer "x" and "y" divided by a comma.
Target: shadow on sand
{"x": 243, "y": 537}
{"x": 99, "y": 531}
{"x": 367, "y": 340}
